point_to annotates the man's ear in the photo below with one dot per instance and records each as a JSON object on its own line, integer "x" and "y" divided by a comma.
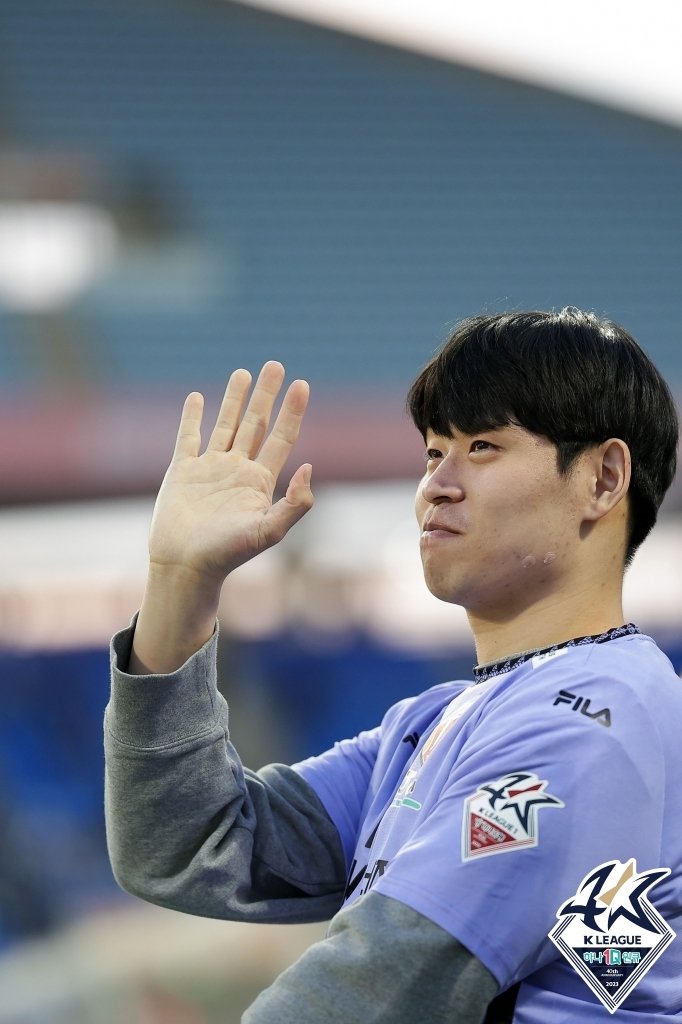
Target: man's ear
{"x": 610, "y": 468}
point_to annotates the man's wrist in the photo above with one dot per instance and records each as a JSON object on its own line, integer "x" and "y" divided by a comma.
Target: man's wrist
{"x": 177, "y": 617}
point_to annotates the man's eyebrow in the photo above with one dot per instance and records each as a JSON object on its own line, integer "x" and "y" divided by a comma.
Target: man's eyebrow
{"x": 431, "y": 432}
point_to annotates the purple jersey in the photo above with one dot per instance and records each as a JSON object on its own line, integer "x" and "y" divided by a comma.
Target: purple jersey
{"x": 483, "y": 805}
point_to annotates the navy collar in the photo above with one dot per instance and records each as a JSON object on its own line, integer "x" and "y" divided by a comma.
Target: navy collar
{"x": 496, "y": 668}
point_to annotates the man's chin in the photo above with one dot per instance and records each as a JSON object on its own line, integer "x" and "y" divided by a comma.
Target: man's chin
{"x": 444, "y": 590}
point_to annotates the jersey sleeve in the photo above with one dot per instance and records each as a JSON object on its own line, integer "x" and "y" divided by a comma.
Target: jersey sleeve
{"x": 532, "y": 803}
{"x": 341, "y": 778}
{"x": 355, "y": 771}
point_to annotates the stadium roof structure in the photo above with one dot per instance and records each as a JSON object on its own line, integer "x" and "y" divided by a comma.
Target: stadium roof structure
{"x": 599, "y": 50}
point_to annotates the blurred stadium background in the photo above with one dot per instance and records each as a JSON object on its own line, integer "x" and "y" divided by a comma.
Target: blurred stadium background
{"x": 187, "y": 186}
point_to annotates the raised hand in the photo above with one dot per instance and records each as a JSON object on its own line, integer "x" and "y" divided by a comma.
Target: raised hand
{"x": 215, "y": 511}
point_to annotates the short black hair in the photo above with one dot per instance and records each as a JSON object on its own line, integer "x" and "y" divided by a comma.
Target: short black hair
{"x": 570, "y": 376}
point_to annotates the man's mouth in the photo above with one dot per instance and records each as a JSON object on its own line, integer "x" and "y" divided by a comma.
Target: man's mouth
{"x": 436, "y": 528}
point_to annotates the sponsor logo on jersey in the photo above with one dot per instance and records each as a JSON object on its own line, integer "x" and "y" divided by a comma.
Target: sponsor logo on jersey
{"x": 403, "y": 796}
{"x": 502, "y": 815}
{"x": 413, "y": 739}
{"x": 361, "y": 876}
{"x": 583, "y": 705}
{"x": 609, "y": 931}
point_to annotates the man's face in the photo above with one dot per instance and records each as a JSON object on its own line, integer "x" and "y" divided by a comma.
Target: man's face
{"x": 499, "y": 523}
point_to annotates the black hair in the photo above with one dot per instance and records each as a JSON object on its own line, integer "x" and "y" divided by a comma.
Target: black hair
{"x": 569, "y": 376}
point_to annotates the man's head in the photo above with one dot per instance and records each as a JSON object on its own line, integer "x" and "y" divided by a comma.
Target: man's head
{"x": 568, "y": 377}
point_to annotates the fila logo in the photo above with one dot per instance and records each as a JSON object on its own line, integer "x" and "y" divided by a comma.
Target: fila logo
{"x": 582, "y": 704}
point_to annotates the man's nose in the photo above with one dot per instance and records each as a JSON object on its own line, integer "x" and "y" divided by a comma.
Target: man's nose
{"x": 443, "y": 484}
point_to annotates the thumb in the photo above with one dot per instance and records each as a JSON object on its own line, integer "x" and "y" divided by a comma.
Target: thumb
{"x": 293, "y": 506}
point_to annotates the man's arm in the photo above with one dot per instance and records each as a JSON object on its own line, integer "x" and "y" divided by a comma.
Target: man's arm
{"x": 188, "y": 827}
{"x": 381, "y": 962}
{"x": 215, "y": 511}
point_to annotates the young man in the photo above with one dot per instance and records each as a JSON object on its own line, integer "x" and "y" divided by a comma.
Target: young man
{"x": 449, "y": 840}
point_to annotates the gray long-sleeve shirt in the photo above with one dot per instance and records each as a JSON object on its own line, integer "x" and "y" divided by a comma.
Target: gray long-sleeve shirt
{"x": 190, "y": 828}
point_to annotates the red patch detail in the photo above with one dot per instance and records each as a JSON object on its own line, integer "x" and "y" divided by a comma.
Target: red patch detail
{"x": 485, "y": 834}
{"x": 530, "y": 789}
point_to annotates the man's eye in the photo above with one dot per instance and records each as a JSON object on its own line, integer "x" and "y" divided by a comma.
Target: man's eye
{"x": 432, "y": 453}
{"x": 480, "y": 446}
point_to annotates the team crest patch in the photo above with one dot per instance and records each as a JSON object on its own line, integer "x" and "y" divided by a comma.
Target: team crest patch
{"x": 502, "y": 815}
{"x": 610, "y": 932}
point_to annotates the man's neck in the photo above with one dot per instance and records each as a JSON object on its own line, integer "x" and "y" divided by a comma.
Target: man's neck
{"x": 553, "y": 620}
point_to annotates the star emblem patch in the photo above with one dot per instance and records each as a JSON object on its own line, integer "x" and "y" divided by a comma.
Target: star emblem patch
{"x": 502, "y": 814}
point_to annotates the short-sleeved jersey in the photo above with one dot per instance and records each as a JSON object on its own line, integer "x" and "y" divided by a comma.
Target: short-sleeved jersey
{"x": 483, "y": 805}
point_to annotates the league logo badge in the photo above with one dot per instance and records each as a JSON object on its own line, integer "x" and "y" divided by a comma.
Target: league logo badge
{"x": 610, "y": 932}
{"x": 502, "y": 815}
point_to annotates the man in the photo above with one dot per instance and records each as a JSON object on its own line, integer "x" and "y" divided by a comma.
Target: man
{"x": 446, "y": 842}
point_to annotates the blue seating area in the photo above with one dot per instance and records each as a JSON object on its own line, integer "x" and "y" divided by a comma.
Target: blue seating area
{"x": 331, "y": 200}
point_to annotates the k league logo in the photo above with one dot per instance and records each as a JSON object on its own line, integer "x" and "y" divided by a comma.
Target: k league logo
{"x": 609, "y": 930}
{"x": 502, "y": 815}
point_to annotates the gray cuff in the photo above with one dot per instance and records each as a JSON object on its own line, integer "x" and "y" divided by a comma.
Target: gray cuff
{"x": 162, "y": 710}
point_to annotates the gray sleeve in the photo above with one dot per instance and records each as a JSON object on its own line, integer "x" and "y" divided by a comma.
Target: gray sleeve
{"x": 381, "y": 963}
{"x": 188, "y": 827}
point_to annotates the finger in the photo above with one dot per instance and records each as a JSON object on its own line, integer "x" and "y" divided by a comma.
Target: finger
{"x": 230, "y": 411}
{"x": 293, "y": 506}
{"x": 284, "y": 434}
{"x": 188, "y": 440}
{"x": 251, "y": 430}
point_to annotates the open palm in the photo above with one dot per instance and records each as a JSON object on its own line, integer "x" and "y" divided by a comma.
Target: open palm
{"x": 215, "y": 510}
